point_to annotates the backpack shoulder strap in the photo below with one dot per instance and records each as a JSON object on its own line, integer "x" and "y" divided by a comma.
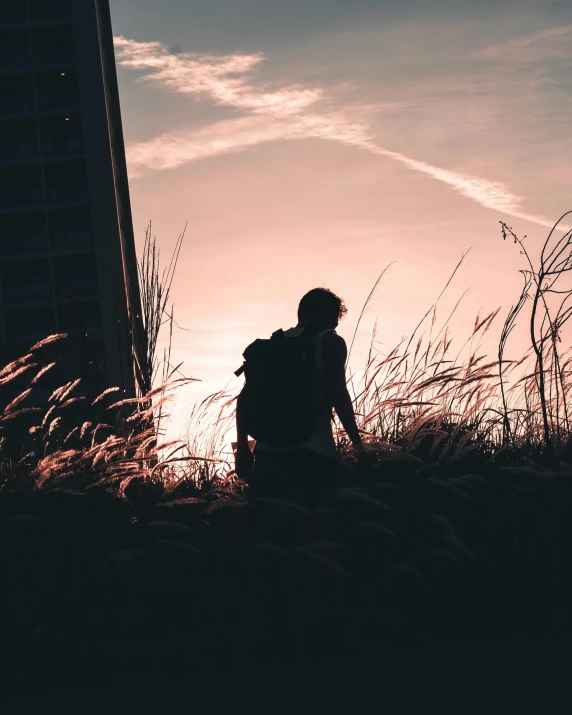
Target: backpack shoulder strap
{"x": 311, "y": 331}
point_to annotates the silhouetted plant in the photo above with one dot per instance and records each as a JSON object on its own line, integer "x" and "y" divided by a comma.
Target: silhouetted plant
{"x": 406, "y": 398}
{"x": 544, "y": 337}
{"x": 155, "y": 288}
{"x": 417, "y": 402}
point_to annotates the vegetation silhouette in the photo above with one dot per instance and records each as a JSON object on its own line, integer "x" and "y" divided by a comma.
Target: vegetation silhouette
{"x": 141, "y": 573}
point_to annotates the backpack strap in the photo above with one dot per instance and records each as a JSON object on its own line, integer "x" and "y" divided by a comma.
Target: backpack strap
{"x": 308, "y": 335}
{"x": 311, "y": 331}
{"x": 307, "y": 338}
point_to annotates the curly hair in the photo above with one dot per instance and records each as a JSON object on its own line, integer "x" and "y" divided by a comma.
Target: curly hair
{"x": 321, "y": 299}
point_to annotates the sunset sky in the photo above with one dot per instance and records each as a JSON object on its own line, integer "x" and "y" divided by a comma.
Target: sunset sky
{"x": 314, "y": 142}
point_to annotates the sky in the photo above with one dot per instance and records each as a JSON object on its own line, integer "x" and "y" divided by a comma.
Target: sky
{"x": 310, "y": 143}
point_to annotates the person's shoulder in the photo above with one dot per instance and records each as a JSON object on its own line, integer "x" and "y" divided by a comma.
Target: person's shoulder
{"x": 333, "y": 343}
{"x": 332, "y": 336}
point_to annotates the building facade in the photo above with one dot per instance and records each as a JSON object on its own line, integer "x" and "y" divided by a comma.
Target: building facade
{"x": 67, "y": 251}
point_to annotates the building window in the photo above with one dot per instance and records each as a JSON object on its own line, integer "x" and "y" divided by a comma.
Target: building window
{"x": 61, "y": 135}
{"x": 73, "y": 235}
{"x": 14, "y": 49}
{"x": 82, "y": 320}
{"x": 66, "y": 182}
{"x": 28, "y": 326}
{"x": 93, "y": 327}
{"x": 81, "y": 281}
{"x": 43, "y": 10}
{"x": 71, "y": 228}
{"x": 19, "y": 146}
{"x": 27, "y": 287}
{"x": 20, "y": 186}
{"x": 23, "y": 233}
{"x": 53, "y": 45}
{"x": 18, "y": 140}
{"x": 23, "y": 239}
{"x": 13, "y": 11}
{"x": 57, "y": 90}
{"x": 16, "y": 94}
{"x": 77, "y": 280}
{"x": 30, "y": 330}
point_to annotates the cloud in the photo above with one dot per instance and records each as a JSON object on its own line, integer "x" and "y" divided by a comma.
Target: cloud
{"x": 213, "y": 76}
{"x": 173, "y": 149}
{"x": 284, "y": 114}
{"x": 530, "y": 49}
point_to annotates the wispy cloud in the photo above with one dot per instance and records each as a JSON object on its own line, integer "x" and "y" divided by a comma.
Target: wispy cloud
{"x": 173, "y": 149}
{"x": 213, "y": 76}
{"x": 293, "y": 112}
{"x": 552, "y": 42}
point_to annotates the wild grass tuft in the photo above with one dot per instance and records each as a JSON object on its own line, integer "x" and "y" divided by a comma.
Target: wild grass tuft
{"x": 418, "y": 402}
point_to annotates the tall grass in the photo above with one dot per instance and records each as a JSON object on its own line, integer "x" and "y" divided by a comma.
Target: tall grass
{"x": 419, "y": 394}
{"x": 421, "y": 401}
{"x": 102, "y": 442}
{"x": 417, "y": 402}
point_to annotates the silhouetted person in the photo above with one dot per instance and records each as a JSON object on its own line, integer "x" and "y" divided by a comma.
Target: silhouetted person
{"x": 315, "y": 458}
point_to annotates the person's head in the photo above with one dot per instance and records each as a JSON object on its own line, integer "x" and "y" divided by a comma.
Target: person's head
{"x": 321, "y": 307}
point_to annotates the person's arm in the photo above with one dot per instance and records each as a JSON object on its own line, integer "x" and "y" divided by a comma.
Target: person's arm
{"x": 241, "y": 434}
{"x": 334, "y": 352}
{"x": 244, "y": 458}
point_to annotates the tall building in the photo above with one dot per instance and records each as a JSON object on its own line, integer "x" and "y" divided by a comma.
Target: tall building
{"x": 67, "y": 251}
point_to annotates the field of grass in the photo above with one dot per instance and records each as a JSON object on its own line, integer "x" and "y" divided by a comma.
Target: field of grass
{"x": 435, "y": 580}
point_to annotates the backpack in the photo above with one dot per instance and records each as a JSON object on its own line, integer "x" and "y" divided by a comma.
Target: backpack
{"x": 278, "y": 399}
